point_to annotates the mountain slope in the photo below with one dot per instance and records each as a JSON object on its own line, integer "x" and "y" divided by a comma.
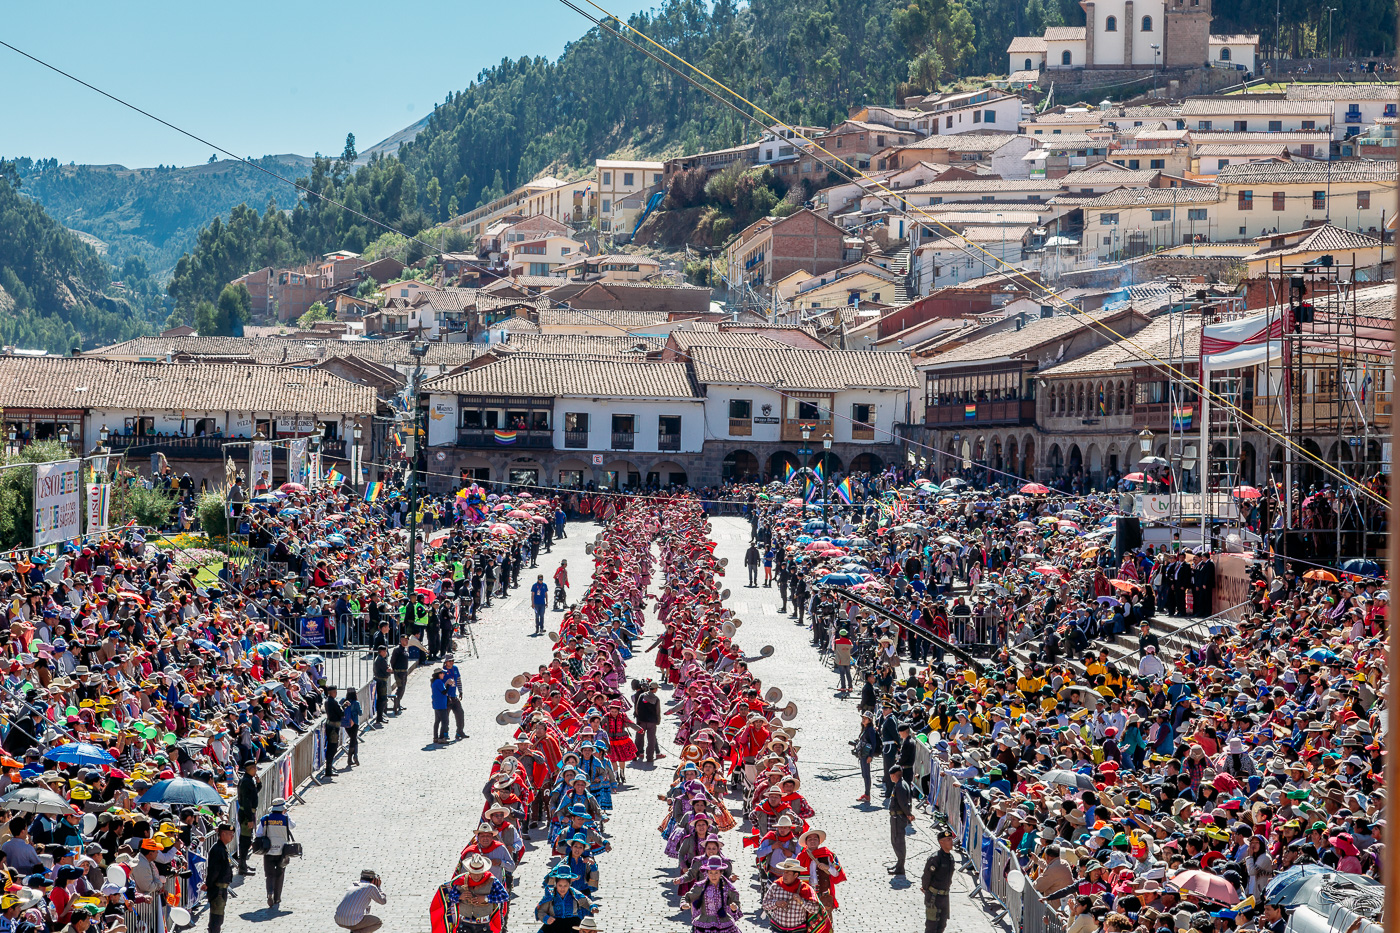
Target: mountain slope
{"x": 153, "y": 213}
{"x": 56, "y": 291}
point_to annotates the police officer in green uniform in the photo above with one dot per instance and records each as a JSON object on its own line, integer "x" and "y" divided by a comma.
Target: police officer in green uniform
{"x": 938, "y": 877}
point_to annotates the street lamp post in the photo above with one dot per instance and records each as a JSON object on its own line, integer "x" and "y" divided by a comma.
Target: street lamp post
{"x": 355, "y": 470}
{"x": 826, "y": 479}
{"x": 1156, "y": 54}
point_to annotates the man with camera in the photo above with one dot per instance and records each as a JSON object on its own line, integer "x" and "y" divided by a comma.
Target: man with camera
{"x": 353, "y": 912}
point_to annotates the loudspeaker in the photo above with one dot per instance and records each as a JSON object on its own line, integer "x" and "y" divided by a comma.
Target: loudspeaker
{"x": 1129, "y": 532}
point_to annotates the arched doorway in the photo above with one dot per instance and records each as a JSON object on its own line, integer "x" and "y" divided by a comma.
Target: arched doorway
{"x": 782, "y": 464}
{"x": 1246, "y": 471}
{"x": 994, "y": 456}
{"x": 1056, "y": 463}
{"x": 829, "y": 462}
{"x": 1013, "y": 463}
{"x": 666, "y": 473}
{"x": 524, "y": 471}
{"x": 574, "y": 472}
{"x": 1028, "y": 457}
{"x": 739, "y": 466}
{"x": 1095, "y": 461}
{"x": 1076, "y": 459}
{"x": 621, "y": 474}
{"x": 1309, "y": 471}
{"x": 867, "y": 463}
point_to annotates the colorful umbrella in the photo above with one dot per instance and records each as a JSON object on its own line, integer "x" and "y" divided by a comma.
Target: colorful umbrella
{"x": 1325, "y": 576}
{"x": 1204, "y": 884}
{"x": 1035, "y": 489}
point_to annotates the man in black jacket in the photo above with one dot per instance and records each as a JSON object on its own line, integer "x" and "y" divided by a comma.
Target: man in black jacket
{"x": 218, "y": 876}
{"x": 398, "y": 666}
{"x": 648, "y": 712}
{"x": 248, "y": 789}
{"x": 901, "y": 815}
{"x": 889, "y": 743}
{"x": 381, "y": 684}
{"x": 334, "y": 716}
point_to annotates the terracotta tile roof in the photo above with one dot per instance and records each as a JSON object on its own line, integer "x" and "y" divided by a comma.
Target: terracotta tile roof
{"x": 1212, "y": 106}
{"x": 1142, "y": 197}
{"x": 817, "y": 370}
{"x": 623, "y": 347}
{"x": 1307, "y": 173}
{"x": 965, "y": 142}
{"x": 1199, "y": 137}
{"x": 1326, "y": 238}
{"x": 1014, "y": 344}
{"x": 1026, "y": 44}
{"x": 1379, "y": 91}
{"x": 1241, "y": 149}
{"x": 1235, "y": 39}
{"x": 1107, "y": 358}
{"x": 282, "y": 349}
{"x": 1023, "y": 77}
{"x": 562, "y": 317}
{"x": 545, "y": 376}
{"x": 1063, "y": 33}
{"x": 988, "y": 186}
{"x": 55, "y": 382}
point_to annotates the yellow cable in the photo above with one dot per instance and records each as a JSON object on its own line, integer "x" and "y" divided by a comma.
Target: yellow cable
{"x": 1012, "y": 270}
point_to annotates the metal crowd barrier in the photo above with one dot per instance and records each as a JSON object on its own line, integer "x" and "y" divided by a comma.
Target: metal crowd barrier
{"x": 992, "y": 859}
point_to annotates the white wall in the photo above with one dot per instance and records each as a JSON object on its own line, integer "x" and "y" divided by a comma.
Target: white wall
{"x": 233, "y": 424}
{"x": 1108, "y": 46}
{"x": 889, "y": 408}
{"x": 646, "y": 412}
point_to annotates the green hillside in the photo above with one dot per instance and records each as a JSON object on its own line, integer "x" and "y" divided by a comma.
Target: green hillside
{"x": 56, "y": 291}
{"x": 153, "y": 213}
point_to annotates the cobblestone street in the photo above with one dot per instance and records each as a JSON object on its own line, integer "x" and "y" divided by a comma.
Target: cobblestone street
{"x": 409, "y": 809}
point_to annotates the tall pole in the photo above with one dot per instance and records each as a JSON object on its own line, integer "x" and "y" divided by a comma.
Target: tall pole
{"x": 826, "y": 480}
{"x": 411, "y": 615}
{"x": 1330, "y": 11}
{"x": 1390, "y": 867}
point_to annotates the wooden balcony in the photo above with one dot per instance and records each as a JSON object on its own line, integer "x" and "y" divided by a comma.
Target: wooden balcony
{"x": 792, "y": 430}
{"x": 576, "y": 440}
{"x": 862, "y": 432}
{"x": 668, "y": 442}
{"x": 740, "y": 427}
{"x": 1005, "y": 412}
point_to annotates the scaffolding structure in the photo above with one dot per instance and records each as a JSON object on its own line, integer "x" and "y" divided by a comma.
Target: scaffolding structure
{"x": 1330, "y": 399}
{"x": 1203, "y": 483}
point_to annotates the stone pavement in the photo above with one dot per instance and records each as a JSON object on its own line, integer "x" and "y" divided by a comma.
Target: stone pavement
{"x": 409, "y": 809}
{"x": 858, "y": 833}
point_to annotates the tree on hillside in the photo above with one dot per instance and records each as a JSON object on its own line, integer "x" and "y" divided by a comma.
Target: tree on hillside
{"x": 317, "y": 312}
{"x": 939, "y": 35}
{"x": 227, "y": 317}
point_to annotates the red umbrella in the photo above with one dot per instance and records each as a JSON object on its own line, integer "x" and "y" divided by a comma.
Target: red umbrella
{"x": 1135, "y": 478}
{"x": 1247, "y": 492}
{"x": 427, "y": 594}
{"x": 1035, "y": 489}
{"x": 539, "y": 519}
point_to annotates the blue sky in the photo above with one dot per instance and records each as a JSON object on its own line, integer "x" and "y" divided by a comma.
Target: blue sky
{"x": 257, "y": 77}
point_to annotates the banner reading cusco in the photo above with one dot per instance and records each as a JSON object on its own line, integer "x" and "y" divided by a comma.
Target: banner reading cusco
{"x": 58, "y": 512}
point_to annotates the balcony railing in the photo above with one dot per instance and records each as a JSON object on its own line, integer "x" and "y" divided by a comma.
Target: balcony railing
{"x": 623, "y": 440}
{"x": 1007, "y": 411}
{"x": 792, "y": 430}
{"x": 182, "y": 448}
{"x": 740, "y": 427}
{"x": 576, "y": 439}
{"x": 478, "y": 438}
{"x": 862, "y": 432}
{"x": 668, "y": 442}
{"x": 1353, "y": 118}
